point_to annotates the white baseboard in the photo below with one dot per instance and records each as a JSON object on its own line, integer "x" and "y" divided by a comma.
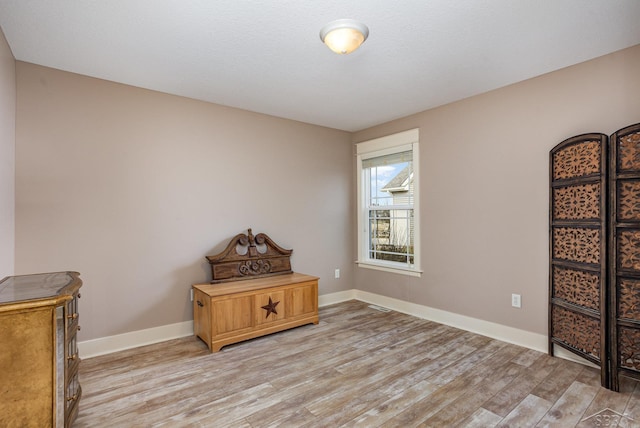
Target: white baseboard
{"x": 535, "y": 341}
{"x": 340, "y": 296}
{"x": 486, "y": 328}
{"x": 120, "y": 342}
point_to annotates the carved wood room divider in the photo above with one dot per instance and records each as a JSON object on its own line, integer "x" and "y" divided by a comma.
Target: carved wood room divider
{"x": 594, "y": 235}
{"x": 578, "y": 246}
{"x": 624, "y": 244}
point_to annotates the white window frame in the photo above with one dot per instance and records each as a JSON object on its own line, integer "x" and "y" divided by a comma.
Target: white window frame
{"x": 400, "y": 142}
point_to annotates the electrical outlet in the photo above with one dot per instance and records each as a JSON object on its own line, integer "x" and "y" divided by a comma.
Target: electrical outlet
{"x": 191, "y": 294}
{"x": 516, "y": 301}
{"x": 337, "y": 273}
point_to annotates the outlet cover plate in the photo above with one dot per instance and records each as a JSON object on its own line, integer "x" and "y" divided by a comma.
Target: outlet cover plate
{"x": 516, "y": 301}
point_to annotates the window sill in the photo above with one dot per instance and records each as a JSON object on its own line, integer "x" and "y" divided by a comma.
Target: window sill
{"x": 389, "y": 267}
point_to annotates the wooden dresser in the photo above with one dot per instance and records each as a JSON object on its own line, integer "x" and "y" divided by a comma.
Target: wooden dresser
{"x": 39, "y": 361}
{"x": 253, "y": 292}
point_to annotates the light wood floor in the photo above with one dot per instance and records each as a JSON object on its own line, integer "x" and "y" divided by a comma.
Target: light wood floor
{"x": 358, "y": 367}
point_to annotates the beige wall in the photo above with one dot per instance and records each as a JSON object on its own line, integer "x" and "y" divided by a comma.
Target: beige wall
{"x": 7, "y": 157}
{"x": 484, "y": 187}
{"x": 133, "y": 188}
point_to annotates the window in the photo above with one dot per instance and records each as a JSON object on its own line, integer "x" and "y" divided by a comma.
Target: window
{"x": 388, "y": 218}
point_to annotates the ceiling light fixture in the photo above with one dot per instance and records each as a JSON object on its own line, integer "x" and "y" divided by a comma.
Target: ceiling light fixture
{"x": 344, "y": 36}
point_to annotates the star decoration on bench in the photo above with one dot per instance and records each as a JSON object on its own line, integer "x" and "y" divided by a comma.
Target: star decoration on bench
{"x": 271, "y": 307}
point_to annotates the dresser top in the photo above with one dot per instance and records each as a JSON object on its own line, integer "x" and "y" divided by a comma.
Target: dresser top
{"x": 37, "y": 286}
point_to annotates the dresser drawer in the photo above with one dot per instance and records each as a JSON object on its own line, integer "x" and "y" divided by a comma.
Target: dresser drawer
{"x": 72, "y": 397}
{"x": 72, "y": 315}
{"x": 71, "y": 355}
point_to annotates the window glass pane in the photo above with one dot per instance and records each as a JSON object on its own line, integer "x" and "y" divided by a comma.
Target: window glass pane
{"x": 379, "y": 225}
{"x": 390, "y": 184}
{"x": 391, "y": 235}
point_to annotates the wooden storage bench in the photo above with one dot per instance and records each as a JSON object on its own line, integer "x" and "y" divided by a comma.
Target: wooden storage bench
{"x": 253, "y": 292}
{"x": 231, "y": 312}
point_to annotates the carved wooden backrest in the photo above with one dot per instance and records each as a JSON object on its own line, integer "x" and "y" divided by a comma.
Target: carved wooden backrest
{"x": 247, "y": 257}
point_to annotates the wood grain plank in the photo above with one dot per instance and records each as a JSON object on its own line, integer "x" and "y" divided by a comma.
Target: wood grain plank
{"x": 631, "y": 415}
{"x": 388, "y": 409}
{"x": 557, "y": 382}
{"x": 526, "y": 414}
{"x": 465, "y": 405}
{"x": 467, "y": 363}
{"x": 462, "y": 381}
{"x": 358, "y": 367}
{"x": 481, "y": 418}
{"x": 570, "y": 407}
{"x": 605, "y": 400}
{"x": 511, "y": 395}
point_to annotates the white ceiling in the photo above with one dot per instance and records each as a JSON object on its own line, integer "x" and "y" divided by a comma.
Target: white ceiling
{"x": 266, "y": 55}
